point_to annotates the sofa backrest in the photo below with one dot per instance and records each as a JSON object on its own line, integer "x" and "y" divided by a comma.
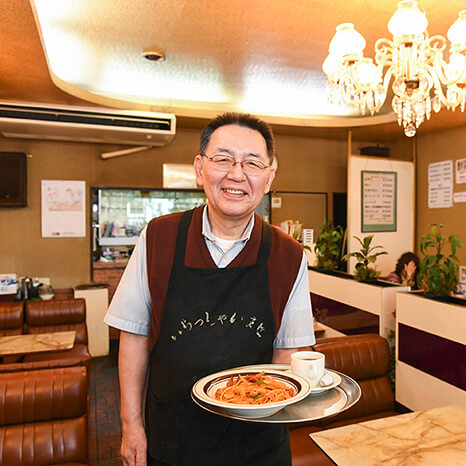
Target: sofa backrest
{"x": 11, "y": 318}
{"x": 43, "y": 417}
{"x": 57, "y": 315}
{"x": 366, "y": 359}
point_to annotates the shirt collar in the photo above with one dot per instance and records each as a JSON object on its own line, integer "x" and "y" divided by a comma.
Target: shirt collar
{"x": 207, "y": 230}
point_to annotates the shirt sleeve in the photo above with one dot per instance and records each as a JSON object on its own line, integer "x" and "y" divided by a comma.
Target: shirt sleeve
{"x": 131, "y": 307}
{"x": 297, "y": 326}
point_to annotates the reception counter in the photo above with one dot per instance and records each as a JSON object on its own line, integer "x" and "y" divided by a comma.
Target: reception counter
{"x": 352, "y": 307}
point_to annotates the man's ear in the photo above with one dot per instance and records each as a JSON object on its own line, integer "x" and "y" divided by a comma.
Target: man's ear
{"x": 270, "y": 178}
{"x": 198, "y": 167}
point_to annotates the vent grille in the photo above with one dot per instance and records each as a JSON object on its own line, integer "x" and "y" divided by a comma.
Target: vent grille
{"x": 84, "y": 117}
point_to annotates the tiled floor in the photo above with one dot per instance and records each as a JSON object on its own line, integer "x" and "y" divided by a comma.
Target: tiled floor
{"x": 105, "y": 426}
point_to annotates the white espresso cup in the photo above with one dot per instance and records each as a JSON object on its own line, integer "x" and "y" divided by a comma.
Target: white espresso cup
{"x": 310, "y": 365}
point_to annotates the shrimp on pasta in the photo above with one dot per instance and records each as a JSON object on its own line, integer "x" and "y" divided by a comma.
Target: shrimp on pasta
{"x": 254, "y": 390}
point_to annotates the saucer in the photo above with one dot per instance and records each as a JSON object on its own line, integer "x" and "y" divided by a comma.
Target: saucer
{"x": 336, "y": 381}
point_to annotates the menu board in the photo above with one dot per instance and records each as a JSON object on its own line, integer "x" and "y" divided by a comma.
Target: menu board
{"x": 378, "y": 197}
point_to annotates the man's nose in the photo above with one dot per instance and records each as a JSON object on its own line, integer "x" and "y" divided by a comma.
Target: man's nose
{"x": 237, "y": 171}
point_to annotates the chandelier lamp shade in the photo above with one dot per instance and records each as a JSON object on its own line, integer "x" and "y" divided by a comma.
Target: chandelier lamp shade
{"x": 422, "y": 80}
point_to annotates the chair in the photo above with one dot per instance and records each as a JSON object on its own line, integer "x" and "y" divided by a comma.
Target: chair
{"x": 366, "y": 359}
{"x": 44, "y": 417}
{"x": 58, "y": 316}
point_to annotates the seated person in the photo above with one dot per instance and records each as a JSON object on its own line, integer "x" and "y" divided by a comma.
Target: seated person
{"x": 406, "y": 272}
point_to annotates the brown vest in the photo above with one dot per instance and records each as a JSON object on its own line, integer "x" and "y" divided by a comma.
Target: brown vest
{"x": 283, "y": 264}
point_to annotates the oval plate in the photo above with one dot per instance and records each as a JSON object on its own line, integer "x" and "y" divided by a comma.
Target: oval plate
{"x": 205, "y": 388}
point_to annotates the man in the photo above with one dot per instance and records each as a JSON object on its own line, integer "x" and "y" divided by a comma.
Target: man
{"x": 208, "y": 290}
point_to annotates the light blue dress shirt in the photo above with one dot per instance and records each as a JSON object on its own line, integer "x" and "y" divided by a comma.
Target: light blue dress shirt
{"x": 131, "y": 310}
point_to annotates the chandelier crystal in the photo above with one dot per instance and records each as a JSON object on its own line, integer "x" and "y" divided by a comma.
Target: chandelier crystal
{"x": 422, "y": 81}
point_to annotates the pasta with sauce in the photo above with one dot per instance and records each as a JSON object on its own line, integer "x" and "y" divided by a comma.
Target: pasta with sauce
{"x": 254, "y": 390}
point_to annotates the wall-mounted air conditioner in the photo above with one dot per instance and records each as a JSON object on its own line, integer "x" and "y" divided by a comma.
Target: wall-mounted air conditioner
{"x": 85, "y": 124}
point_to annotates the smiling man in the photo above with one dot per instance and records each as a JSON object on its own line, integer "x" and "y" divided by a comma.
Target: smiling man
{"x": 206, "y": 290}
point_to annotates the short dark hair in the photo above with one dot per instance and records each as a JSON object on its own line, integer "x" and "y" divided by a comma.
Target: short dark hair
{"x": 239, "y": 119}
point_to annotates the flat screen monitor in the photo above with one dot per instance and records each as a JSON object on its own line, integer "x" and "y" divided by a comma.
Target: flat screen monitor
{"x": 13, "y": 185}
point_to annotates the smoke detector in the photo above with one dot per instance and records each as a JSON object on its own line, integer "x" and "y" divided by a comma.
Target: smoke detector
{"x": 153, "y": 55}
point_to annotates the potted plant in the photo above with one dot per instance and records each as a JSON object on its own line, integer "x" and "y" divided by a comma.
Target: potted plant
{"x": 328, "y": 246}
{"x": 438, "y": 271}
{"x": 365, "y": 256}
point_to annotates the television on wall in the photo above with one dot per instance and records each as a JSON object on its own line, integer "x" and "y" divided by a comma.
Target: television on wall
{"x": 13, "y": 184}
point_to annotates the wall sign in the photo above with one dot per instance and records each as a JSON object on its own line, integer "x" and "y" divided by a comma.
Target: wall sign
{"x": 440, "y": 182}
{"x": 378, "y": 199}
{"x": 460, "y": 171}
{"x": 179, "y": 175}
{"x": 63, "y": 209}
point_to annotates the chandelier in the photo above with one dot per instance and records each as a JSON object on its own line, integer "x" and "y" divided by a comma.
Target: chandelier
{"x": 422, "y": 80}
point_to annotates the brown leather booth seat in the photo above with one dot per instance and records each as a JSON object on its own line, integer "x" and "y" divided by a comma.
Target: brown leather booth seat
{"x": 11, "y": 318}
{"x": 38, "y": 365}
{"x": 58, "y": 316}
{"x": 11, "y": 323}
{"x": 365, "y": 358}
{"x": 43, "y": 417}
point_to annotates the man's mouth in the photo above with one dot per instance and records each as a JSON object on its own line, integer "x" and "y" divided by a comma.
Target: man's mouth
{"x": 234, "y": 191}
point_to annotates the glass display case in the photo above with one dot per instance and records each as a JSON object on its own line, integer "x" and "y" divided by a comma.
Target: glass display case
{"x": 119, "y": 215}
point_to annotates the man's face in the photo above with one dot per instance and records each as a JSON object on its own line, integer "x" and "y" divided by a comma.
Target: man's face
{"x": 233, "y": 194}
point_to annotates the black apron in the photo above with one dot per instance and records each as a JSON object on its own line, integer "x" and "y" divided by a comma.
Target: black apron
{"x": 213, "y": 319}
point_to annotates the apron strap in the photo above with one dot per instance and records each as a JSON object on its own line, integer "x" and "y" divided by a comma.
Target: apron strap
{"x": 266, "y": 243}
{"x": 182, "y": 237}
{"x": 181, "y": 240}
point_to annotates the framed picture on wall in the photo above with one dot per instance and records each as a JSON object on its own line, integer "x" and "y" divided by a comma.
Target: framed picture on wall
{"x": 378, "y": 201}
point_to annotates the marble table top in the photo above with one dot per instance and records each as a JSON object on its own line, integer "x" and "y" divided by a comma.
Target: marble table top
{"x": 36, "y": 343}
{"x": 432, "y": 437}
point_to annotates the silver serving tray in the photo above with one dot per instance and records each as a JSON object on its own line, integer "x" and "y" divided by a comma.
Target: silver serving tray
{"x": 312, "y": 408}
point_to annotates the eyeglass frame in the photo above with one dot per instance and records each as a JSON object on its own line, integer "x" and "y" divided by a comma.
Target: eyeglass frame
{"x": 241, "y": 162}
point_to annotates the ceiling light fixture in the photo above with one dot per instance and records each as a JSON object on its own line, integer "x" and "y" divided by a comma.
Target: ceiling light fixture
{"x": 414, "y": 60}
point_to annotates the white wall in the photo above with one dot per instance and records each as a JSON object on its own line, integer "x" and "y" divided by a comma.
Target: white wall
{"x": 397, "y": 242}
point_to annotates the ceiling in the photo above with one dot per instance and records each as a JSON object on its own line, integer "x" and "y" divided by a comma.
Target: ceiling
{"x": 261, "y": 56}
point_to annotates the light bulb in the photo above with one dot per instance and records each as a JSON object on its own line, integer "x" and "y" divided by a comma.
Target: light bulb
{"x": 457, "y": 32}
{"x": 456, "y": 68}
{"x": 331, "y": 65}
{"x": 407, "y": 20}
{"x": 346, "y": 41}
{"x": 366, "y": 74}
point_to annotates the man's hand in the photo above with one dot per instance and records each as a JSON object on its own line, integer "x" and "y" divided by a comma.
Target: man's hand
{"x": 283, "y": 355}
{"x": 132, "y": 369}
{"x": 134, "y": 445}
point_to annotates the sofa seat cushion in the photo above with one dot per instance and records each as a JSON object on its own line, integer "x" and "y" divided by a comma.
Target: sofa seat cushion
{"x": 37, "y": 365}
{"x": 78, "y": 351}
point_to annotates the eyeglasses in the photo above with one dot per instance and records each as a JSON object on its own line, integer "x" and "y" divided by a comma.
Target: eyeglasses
{"x": 225, "y": 163}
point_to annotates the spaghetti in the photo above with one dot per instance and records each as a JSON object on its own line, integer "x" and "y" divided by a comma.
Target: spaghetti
{"x": 254, "y": 389}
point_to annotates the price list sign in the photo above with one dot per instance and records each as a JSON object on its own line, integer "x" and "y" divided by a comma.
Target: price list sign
{"x": 440, "y": 182}
{"x": 378, "y": 198}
